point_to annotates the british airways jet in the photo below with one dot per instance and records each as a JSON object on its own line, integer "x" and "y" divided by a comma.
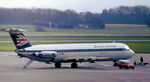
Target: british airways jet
{"x": 68, "y": 53}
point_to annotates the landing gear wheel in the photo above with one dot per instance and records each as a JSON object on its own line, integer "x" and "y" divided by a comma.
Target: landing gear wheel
{"x": 74, "y": 65}
{"x": 115, "y": 64}
{"x": 58, "y": 65}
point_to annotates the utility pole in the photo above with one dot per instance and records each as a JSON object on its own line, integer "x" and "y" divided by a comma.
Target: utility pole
{"x": 50, "y": 26}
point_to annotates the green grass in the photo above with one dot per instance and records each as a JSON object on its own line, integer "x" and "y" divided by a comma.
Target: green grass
{"x": 125, "y": 26}
{"x": 143, "y": 30}
{"x": 110, "y": 29}
{"x": 7, "y": 38}
{"x": 29, "y": 28}
{"x": 7, "y": 47}
{"x": 138, "y": 47}
{"x": 91, "y": 38}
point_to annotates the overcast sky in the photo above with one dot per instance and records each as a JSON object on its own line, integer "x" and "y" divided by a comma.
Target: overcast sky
{"x": 77, "y": 5}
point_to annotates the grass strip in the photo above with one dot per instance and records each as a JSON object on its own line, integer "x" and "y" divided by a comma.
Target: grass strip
{"x": 138, "y": 47}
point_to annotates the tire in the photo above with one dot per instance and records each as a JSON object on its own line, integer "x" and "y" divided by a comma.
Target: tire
{"x": 120, "y": 68}
{"x": 132, "y": 67}
{"x": 58, "y": 65}
{"x": 74, "y": 65}
{"x": 115, "y": 64}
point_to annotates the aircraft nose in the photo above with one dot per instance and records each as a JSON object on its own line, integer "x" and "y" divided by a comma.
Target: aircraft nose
{"x": 132, "y": 52}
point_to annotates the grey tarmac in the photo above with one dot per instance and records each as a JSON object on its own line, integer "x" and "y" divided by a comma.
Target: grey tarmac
{"x": 11, "y": 71}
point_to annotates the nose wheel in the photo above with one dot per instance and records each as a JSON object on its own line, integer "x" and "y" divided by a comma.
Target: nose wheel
{"x": 74, "y": 65}
{"x": 115, "y": 63}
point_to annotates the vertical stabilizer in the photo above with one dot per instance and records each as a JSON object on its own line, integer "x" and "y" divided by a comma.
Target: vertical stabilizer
{"x": 19, "y": 38}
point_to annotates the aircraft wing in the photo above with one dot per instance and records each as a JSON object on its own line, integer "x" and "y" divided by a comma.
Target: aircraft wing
{"x": 87, "y": 59}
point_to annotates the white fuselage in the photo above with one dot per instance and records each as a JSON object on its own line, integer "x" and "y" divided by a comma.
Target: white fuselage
{"x": 114, "y": 50}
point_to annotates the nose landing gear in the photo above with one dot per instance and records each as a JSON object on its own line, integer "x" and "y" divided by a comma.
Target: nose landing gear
{"x": 115, "y": 63}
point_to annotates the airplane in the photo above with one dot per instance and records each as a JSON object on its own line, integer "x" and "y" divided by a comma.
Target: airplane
{"x": 68, "y": 53}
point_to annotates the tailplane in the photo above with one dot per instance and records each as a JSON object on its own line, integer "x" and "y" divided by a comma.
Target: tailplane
{"x": 19, "y": 38}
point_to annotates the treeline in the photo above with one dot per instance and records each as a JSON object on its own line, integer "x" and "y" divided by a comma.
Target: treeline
{"x": 71, "y": 19}
{"x": 58, "y": 19}
{"x": 127, "y": 15}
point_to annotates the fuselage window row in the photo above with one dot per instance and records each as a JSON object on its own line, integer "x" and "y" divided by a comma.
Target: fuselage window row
{"x": 86, "y": 50}
{"x": 90, "y": 50}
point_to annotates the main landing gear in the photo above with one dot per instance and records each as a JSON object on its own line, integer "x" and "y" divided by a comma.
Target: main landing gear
{"x": 73, "y": 65}
{"x": 58, "y": 65}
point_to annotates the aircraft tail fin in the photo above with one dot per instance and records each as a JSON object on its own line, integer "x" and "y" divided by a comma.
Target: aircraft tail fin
{"x": 19, "y": 38}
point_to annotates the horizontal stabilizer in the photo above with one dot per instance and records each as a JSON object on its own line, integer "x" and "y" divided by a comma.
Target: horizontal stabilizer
{"x": 14, "y": 30}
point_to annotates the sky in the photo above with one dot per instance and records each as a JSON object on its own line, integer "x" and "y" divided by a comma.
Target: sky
{"x": 95, "y": 6}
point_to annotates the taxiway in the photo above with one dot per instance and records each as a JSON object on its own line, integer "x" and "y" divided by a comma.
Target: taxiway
{"x": 11, "y": 71}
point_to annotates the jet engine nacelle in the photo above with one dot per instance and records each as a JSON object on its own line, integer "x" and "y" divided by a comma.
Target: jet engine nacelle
{"x": 46, "y": 54}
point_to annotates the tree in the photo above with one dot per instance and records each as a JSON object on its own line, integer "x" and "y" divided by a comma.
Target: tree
{"x": 41, "y": 17}
{"x": 126, "y": 15}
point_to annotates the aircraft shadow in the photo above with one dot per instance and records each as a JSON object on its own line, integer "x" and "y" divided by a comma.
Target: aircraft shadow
{"x": 69, "y": 68}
